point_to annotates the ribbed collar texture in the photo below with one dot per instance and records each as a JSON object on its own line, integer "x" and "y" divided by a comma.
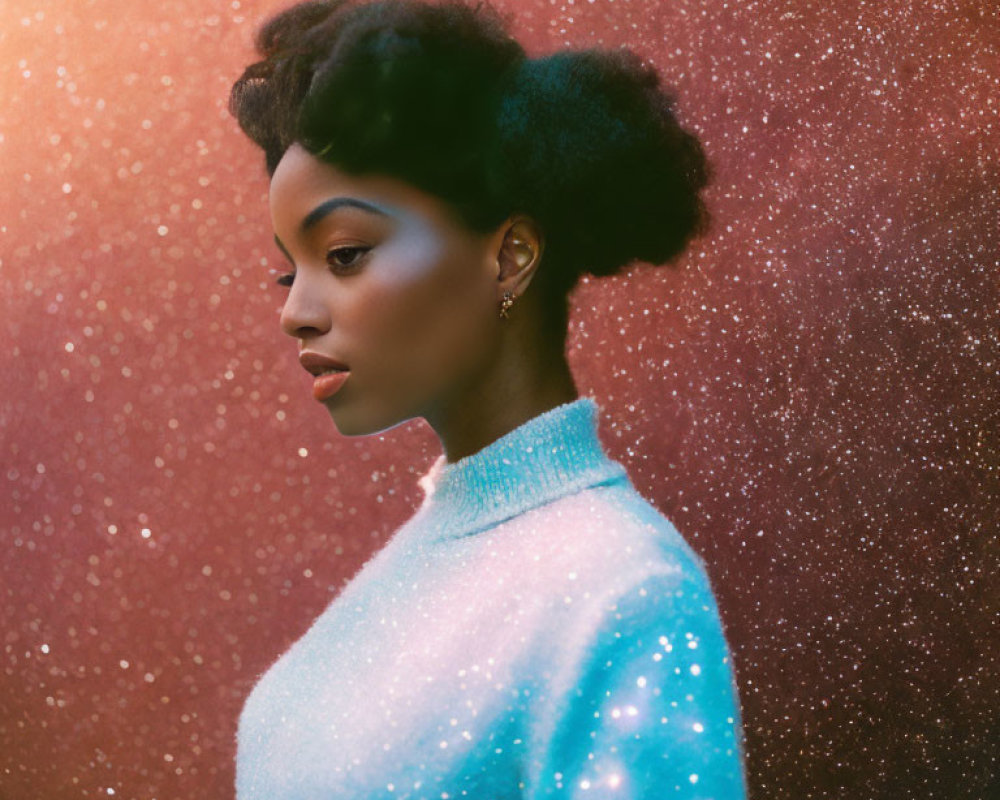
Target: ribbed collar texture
{"x": 552, "y": 455}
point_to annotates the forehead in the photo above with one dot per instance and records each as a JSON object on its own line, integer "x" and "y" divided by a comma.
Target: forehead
{"x": 301, "y": 182}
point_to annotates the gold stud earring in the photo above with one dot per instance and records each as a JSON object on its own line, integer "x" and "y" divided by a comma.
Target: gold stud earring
{"x": 505, "y": 304}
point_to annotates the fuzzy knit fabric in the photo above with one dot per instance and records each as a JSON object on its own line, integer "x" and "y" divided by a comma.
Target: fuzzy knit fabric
{"x": 536, "y": 630}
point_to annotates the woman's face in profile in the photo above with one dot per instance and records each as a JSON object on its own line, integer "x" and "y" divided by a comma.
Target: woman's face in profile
{"x": 387, "y": 282}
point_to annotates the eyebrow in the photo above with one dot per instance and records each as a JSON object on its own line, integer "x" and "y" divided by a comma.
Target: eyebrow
{"x": 324, "y": 209}
{"x": 329, "y": 206}
{"x": 281, "y": 247}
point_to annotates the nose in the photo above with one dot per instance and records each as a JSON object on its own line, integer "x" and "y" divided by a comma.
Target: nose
{"x": 305, "y": 313}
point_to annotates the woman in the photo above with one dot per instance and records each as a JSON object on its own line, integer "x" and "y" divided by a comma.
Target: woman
{"x": 537, "y": 628}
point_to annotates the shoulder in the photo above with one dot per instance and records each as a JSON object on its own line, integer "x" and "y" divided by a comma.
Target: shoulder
{"x": 602, "y": 558}
{"x": 609, "y": 538}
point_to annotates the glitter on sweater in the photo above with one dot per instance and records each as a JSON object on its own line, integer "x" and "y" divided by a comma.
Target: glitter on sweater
{"x": 537, "y": 629}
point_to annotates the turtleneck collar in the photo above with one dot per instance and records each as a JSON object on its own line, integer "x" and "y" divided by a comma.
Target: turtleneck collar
{"x": 551, "y": 455}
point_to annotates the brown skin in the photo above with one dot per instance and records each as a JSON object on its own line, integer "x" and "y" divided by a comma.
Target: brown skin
{"x": 413, "y": 309}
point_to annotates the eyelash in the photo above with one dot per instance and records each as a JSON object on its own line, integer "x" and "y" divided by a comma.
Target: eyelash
{"x": 289, "y": 277}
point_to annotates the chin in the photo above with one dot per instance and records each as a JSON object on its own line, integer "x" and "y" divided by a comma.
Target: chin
{"x": 351, "y": 423}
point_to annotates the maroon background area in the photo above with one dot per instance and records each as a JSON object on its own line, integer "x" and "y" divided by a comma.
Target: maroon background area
{"x": 811, "y": 396}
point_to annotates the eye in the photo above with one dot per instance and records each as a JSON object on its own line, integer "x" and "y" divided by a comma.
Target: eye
{"x": 341, "y": 257}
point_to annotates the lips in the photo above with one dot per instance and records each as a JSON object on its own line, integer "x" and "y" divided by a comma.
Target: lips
{"x": 330, "y": 374}
{"x": 318, "y": 364}
{"x": 329, "y": 383}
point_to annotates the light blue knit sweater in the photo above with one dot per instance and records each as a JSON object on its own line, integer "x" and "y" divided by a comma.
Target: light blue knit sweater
{"x": 536, "y": 630}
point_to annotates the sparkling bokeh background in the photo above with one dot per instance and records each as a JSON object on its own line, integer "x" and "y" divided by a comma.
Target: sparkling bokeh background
{"x": 811, "y": 396}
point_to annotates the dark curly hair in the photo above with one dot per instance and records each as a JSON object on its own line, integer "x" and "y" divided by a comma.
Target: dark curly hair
{"x": 585, "y": 142}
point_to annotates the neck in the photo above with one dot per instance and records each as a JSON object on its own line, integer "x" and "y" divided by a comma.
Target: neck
{"x": 515, "y": 391}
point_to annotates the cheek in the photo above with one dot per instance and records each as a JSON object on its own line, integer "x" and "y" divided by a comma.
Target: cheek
{"x": 425, "y": 306}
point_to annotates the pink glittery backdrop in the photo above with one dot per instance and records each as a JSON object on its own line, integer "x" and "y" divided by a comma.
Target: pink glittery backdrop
{"x": 812, "y": 397}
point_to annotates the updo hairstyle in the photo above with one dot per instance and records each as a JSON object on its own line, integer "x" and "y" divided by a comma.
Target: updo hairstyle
{"x": 585, "y": 142}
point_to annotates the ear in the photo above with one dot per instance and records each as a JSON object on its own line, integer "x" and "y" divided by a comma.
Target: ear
{"x": 519, "y": 254}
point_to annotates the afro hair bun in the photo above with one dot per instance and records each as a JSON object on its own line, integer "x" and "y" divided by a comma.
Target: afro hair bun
{"x": 440, "y": 95}
{"x": 588, "y": 144}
